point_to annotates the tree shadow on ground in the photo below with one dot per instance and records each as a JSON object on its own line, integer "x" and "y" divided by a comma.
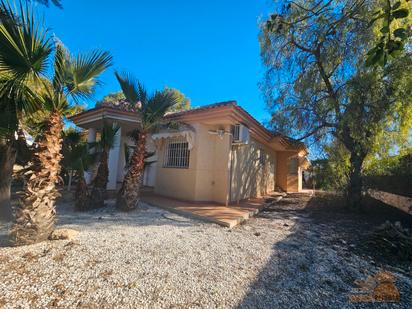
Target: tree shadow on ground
{"x": 317, "y": 264}
{"x": 107, "y": 218}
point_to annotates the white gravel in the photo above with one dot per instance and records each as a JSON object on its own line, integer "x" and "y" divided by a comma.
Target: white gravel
{"x": 150, "y": 258}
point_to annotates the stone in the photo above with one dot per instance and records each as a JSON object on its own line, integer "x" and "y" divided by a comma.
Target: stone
{"x": 61, "y": 234}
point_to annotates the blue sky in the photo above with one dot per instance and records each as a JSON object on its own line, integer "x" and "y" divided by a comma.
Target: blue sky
{"x": 209, "y": 50}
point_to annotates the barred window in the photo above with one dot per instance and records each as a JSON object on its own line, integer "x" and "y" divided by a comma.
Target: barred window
{"x": 236, "y": 132}
{"x": 177, "y": 154}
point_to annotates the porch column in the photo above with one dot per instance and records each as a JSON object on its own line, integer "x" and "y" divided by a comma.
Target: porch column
{"x": 114, "y": 156}
{"x": 91, "y": 138}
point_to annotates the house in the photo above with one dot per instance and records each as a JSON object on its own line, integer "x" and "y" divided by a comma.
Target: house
{"x": 217, "y": 152}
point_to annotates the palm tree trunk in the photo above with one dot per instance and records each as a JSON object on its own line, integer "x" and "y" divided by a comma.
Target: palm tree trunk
{"x": 102, "y": 175}
{"x": 35, "y": 215}
{"x": 100, "y": 182}
{"x": 129, "y": 194}
{"x": 7, "y": 159}
{"x": 82, "y": 200}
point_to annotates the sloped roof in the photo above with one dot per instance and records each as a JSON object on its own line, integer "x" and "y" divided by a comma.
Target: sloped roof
{"x": 122, "y": 106}
{"x": 202, "y": 108}
{"x": 287, "y": 141}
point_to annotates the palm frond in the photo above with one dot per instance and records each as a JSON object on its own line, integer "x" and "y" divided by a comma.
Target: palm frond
{"x": 156, "y": 108}
{"x": 108, "y": 136}
{"x": 25, "y": 45}
{"x": 8, "y": 118}
{"x": 57, "y": 3}
{"x": 132, "y": 89}
{"x": 84, "y": 69}
{"x": 18, "y": 93}
{"x": 6, "y": 14}
{"x": 76, "y": 154}
{"x": 152, "y": 107}
{"x": 61, "y": 65}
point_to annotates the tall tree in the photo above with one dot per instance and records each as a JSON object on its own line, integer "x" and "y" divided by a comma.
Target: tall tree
{"x": 77, "y": 158}
{"x": 74, "y": 78}
{"x": 107, "y": 142}
{"x": 25, "y": 47}
{"x": 150, "y": 109}
{"x": 316, "y": 82}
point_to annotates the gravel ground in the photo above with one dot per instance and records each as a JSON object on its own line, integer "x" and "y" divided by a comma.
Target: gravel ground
{"x": 150, "y": 258}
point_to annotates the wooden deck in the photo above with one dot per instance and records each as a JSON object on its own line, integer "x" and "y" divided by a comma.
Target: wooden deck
{"x": 228, "y": 216}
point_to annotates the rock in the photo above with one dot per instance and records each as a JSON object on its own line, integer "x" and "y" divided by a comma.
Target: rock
{"x": 257, "y": 234}
{"x": 60, "y": 234}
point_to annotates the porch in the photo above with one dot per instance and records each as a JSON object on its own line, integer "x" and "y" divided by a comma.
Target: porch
{"x": 228, "y": 216}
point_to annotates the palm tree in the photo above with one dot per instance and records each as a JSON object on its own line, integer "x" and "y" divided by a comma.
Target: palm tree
{"x": 107, "y": 142}
{"x": 25, "y": 47}
{"x": 77, "y": 158}
{"x": 73, "y": 78}
{"x": 5, "y": 13}
{"x": 150, "y": 109}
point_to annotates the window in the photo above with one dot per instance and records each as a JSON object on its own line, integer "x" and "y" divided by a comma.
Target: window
{"x": 236, "y": 132}
{"x": 177, "y": 154}
{"x": 293, "y": 166}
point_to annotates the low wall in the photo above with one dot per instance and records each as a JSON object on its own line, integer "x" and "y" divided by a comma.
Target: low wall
{"x": 401, "y": 202}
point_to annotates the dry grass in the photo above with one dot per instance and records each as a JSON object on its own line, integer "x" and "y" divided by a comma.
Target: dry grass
{"x": 59, "y": 257}
{"x": 106, "y": 274}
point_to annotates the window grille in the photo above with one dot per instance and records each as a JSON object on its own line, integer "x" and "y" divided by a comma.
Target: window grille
{"x": 236, "y": 132}
{"x": 177, "y": 153}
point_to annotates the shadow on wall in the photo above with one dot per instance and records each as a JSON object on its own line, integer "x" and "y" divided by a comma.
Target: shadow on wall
{"x": 250, "y": 177}
{"x": 314, "y": 267}
{"x": 244, "y": 173}
{"x": 267, "y": 179}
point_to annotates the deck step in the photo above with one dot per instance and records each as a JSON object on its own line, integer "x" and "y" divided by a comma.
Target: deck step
{"x": 227, "y": 216}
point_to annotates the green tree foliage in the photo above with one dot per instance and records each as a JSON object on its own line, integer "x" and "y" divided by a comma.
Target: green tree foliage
{"x": 332, "y": 173}
{"x": 25, "y": 48}
{"x": 111, "y": 98}
{"x": 183, "y": 101}
{"x": 316, "y": 83}
{"x": 391, "y": 20}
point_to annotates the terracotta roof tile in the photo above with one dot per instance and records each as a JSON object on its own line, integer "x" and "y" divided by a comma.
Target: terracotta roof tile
{"x": 201, "y": 108}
